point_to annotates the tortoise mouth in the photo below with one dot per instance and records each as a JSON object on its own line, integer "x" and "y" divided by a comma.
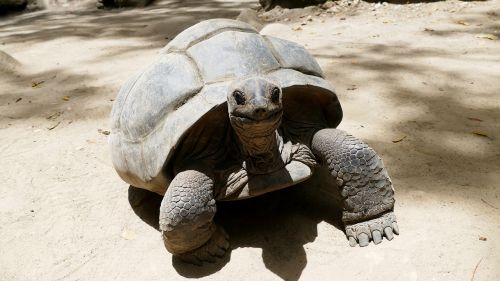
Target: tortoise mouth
{"x": 254, "y": 128}
{"x": 272, "y": 117}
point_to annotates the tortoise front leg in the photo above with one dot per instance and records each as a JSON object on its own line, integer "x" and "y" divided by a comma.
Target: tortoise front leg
{"x": 365, "y": 186}
{"x": 186, "y": 219}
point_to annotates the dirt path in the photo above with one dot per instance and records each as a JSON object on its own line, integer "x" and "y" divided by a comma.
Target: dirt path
{"x": 415, "y": 81}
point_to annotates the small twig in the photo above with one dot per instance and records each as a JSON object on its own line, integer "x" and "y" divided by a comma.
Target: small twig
{"x": 36, "y": 84}
{"x": 477, "y": 265}
{"x": 489, "y": 204}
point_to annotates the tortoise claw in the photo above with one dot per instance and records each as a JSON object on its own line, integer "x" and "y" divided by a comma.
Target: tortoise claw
{"x": 372, "y": 230}
{"x": 352, "y": 242}
{"x": 377, "y": 237}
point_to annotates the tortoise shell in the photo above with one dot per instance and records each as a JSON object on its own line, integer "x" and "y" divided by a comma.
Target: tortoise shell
{"x": 156, "y": 107}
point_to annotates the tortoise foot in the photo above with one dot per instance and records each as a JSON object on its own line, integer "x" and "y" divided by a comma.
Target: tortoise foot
{"x": 372, "y": 230}
{"x": 215, "y": 248}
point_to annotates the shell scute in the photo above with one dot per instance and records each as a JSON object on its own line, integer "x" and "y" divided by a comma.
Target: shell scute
{"x": 294, "y": 56}
{"x": 232, "y": 54}
{"x": 203, "y": 30}
{"x": 161, "y": 88}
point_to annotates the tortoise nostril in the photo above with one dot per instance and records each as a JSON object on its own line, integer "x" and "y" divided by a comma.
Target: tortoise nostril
{"x": 260, "y": 111}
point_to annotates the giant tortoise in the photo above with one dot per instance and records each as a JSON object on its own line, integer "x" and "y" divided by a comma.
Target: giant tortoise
{"x": 225, "y": 113}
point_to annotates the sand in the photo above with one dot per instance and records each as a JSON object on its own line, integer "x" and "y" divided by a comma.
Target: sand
{"x": 418, "y": 82}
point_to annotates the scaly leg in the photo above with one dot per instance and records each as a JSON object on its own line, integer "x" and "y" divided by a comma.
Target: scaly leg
{"x": 186, "y": 219}
{"x": 365, "y": 186}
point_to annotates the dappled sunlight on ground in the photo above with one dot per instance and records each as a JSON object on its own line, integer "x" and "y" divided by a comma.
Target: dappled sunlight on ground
{"x": 417, "y": 86}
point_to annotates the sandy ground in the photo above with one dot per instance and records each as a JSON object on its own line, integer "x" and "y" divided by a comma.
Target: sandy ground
{"x": 421, "y": 73}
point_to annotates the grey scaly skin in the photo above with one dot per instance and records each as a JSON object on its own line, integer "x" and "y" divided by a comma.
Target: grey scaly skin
{"x": 255, "y": 112}
{"x": 186, "y": 219}
{"x": 366, "y": 189}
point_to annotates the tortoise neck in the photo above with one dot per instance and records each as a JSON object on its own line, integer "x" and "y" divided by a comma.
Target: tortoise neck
{"x": 262, "y": 154}
{"x": 255, "y": 146}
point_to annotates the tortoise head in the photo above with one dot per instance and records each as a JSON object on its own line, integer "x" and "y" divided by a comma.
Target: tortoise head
{"x": 255, "y": 107}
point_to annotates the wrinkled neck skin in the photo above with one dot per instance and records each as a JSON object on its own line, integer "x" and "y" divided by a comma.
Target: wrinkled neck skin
{"x": 260, "y": 144}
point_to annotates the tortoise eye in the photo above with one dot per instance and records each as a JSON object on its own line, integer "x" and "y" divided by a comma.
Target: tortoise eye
{"x": 275, "y": 95}
{"x": 239, "y": 97}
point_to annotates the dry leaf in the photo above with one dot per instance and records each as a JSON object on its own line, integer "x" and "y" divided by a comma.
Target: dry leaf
{"x": 35, "y": 84}
{"x": 481, "y": 134}
{"x": 487, "y": 36}
{"x": 399, "y": 140}
{"x": 462, "y": 22}
{"x": 65, "y": 98}
{"x": 474, "y": 119}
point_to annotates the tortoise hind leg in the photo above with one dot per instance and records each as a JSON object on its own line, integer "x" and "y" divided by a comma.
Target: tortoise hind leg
{"x": 186, "y": 219}
{"x": 365, "y": 186}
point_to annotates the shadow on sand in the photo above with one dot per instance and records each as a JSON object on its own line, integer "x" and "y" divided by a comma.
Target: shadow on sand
{"x": 148, "y": 28}
{"x": 280, "y": 223}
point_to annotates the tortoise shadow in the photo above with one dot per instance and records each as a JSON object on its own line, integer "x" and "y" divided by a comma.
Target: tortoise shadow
{"x": 280, "y": 223}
